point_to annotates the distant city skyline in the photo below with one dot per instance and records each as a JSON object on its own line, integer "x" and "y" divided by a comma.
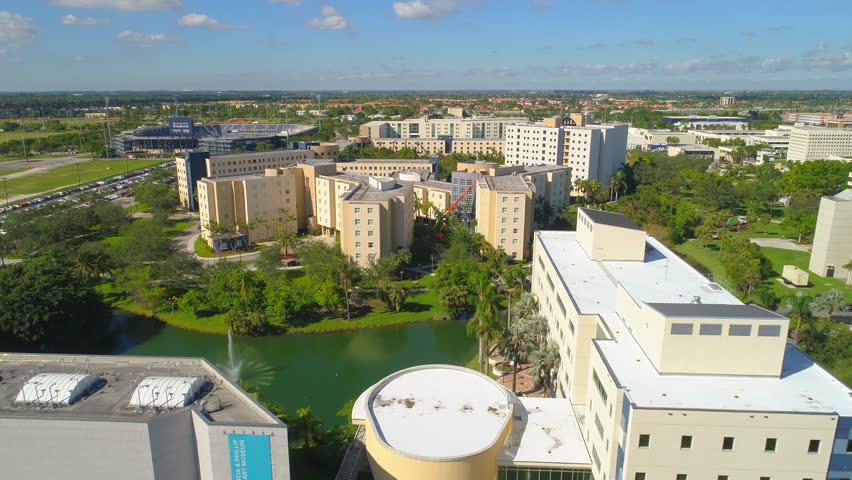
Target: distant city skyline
{"x": 68, "y": 45}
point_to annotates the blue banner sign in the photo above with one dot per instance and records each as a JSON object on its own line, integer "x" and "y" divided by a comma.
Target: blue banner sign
{"x": 250, "y": 457}
{"x": 181, "y": 126}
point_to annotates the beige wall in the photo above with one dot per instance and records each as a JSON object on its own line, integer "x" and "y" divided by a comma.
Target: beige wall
{"x": 553, "y": 186}
{"x": 325, "y": 151}
{"x": 440, "y": 198}
{"x": 372, "y": 229}
{"x": 384, "y": 168}
{"x": 387, "y": 463}
{"x": 505, "y": 218}
{"x": 606, "y": 242}
{"x": 477, "y": 146}
{"x": 254, "y": 162}
{"x": 832, "y": 238}
{"x": 423, "y": 146}
{"x": 706, "y": 460}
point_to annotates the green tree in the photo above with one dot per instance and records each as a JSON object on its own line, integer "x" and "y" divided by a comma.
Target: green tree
{"x": 329, "y": 296}
{"x": 800, "y": 222}
{"x": 830, "y": 301}
{"x": 395, "y": 295}
{"x": 455, "y": 299}
{"x": 767, "y": 298}
{"x": 800, "y": 310}
{"x": 285, "y": 300}
{"x": 307, "y": 424}
{"x": 672, "y": 140}
{"x": 44, "y": 302}
{"x": 544, "y": 361}
{"x": 515, "y": 348}
{"x": 91, "y": 261}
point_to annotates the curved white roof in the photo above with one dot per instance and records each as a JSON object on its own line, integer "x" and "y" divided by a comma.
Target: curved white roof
{"x": 439, "y": 412}
{"x": 56, "y": 388}
{"x": 165, "y": 392}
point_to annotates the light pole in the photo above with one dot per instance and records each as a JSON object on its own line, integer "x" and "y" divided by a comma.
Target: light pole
{"x": 6, "y": 191}
{"x": 432, "y": 258}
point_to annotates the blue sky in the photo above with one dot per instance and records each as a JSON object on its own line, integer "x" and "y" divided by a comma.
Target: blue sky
{"x": 423, "y": 44}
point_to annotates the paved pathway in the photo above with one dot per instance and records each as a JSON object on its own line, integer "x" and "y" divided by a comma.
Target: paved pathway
{"x": 185, "y": 241}
{"x": 781, "y": 243}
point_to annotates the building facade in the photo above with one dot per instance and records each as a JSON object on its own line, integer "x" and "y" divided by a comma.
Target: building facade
{"x": 423, "y": 146}
{"x": 832, "y": 247}
{"x": 639, "y": 334}
{"x": 389, "y": 167}
{"x": 504, "y": 213}
{"x": 434, "y": 128}
{"x": 434, "y": 198}
{"x": 135, "y": 418}
{"x": 818, "y": 143}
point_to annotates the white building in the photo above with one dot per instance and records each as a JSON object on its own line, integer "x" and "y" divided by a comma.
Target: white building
{"x": 425, "y": 127}
{"x": 592, "y": 151}
{"x": 832, "y": 248}
{"x": 671, "y": 376}
{"x": 818, "y": 143}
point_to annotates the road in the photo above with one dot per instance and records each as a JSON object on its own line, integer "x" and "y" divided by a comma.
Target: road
{"x": 781, "y": 243}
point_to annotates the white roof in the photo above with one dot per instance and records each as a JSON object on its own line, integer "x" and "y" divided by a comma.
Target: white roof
{"x": 165, "y": 392}
{"x": 438, "y": 412}
{"x": 56, "y": 388}
{"x": 804, "y": 386}
{"x": 544, "y": 432}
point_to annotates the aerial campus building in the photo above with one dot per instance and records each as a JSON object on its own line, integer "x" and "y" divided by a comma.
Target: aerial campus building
{"x": 819, "y": 143}
{"x": 832, "y": 247}
{"x": 663, "y": 375}
{"x": 182, "y": 134}
{"x": 107, "y": 417}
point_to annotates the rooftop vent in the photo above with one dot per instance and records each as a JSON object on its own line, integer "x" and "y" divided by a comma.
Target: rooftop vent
{"x": 56, "y": 388}
{"x": 166, "y": 392}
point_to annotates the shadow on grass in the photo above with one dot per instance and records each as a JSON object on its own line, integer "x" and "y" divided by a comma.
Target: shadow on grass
{"x": 415, "y": 307}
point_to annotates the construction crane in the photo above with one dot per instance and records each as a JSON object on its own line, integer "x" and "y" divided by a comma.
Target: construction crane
{"x": 453, "y": 206}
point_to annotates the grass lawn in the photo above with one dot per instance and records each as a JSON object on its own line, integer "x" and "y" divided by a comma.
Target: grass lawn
{"x": 3, "y": 173}
{"x": 65, "y": 175}
{"x": 170, "y": 231}
{"x": 708, "y": 258}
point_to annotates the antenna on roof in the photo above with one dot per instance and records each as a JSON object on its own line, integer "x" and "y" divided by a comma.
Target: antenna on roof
{"x": 696, "y": 299}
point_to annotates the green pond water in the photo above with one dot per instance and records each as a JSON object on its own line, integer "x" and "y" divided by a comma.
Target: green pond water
{"x": 322, "y": 371}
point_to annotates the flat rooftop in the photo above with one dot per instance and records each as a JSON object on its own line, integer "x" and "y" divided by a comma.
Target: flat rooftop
{"x": 507, "y": 183}
{"x": 664, "y": 278}
{"x": 439, "y": 411}
{"x": 610, "y": 218}
{"x": 226, "y": 402}
{"x": 545, "y": 432}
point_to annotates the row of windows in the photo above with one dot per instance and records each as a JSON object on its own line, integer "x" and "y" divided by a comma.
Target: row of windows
{"x": 683, "y": 476}
{"x": 734, "y": 330}
{"x": 770, "y": 445}
{"x": 536, "y": 473}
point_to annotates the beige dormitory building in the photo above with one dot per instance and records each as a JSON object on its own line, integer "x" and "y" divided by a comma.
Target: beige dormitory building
{"x": 504, "y": 213}
{"x": 832, "y": 247}
{"x": 663, "y": 375}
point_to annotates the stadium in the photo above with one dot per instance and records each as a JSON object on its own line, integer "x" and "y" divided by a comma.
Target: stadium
{"x": 181, "y": 134}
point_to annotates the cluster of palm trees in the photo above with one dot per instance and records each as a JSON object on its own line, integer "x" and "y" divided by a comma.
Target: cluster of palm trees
{"x": 285, "y": 231}
{"x": 523, "y": 337}
{"x": 593, "y": 191}
{"x": 801, "y": 309}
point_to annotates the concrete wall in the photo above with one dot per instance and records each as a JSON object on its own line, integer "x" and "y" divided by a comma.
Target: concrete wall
{"x": 706, "y": 460}
{"x": 832, "y": 238}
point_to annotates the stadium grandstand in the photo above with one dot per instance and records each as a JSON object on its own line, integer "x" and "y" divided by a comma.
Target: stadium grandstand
{"x": 181, "y": 134}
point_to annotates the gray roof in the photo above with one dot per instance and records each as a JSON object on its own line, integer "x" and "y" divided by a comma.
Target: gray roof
{"x": 610, "y": 218}
{"x": 507, "y": 183}
{"x": 709, "y": 310}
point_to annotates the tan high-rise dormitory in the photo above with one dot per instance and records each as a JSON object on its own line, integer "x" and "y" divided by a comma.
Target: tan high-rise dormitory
{"x": 435, "y": 197}
{"x": 552, "y": 182}
{"x": 504, "y": 213}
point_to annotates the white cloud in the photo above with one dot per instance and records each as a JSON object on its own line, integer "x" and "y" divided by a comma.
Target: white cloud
{"x": 204, "y": 21}
{"x": 15, "y": 31}
{"x": 85, "y": 21}
{"x": 126, "y": 5}
{"x": 713, "y": 64}
{"x": 142, "y": 39}
{"x": 646, "y": 42}
{"x": 626, "y": 69}
{"x": 835, "y": 62}
{"x": 771, "y": 65}
{"x": 822, "y": 46}
{"x": 747, "y": 33}
{"x": 596, "y": 68}
{"x": 425, "y": 8}
{"x": 331, "y": 19}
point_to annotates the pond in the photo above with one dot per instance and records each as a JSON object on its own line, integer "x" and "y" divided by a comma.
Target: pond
{"x": 322, "y": 371}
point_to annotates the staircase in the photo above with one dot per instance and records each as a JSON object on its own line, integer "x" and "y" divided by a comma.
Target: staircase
{"x": 351, "y": 464}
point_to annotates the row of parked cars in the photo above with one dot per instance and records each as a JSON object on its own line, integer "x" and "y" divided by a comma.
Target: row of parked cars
{"x": 113, "y": 188}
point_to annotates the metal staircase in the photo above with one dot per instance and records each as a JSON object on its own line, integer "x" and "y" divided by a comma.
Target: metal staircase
{"x": 354, "y": 458}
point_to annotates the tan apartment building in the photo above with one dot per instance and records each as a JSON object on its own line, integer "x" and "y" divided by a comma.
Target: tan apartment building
{"x": 504, "y": 213}
{"x": 254, "y": 205}
{"x": 552, "y": 182}
{"x": 832, "y": 247}
{"x": 423, "y": 146}
{"x": 432, "y": 128}
{"x": 329, "y": 151}
{"x": 389, "y": 167}
{"x": 434, "y": 196}
{"x": 477, "y": 146}
{"x": 197, "y": 165}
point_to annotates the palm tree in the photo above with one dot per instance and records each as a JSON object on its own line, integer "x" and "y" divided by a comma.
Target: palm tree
{"x": 307, "y": 423}
{"x": 512, "y": 278}
{"x": 483, "y": 323}
{"x": 848, "y": 267}
{"x": 515, "y": 347}
{"x": 801, "y": 311}
{"x": 526, "y": 306}
{"x": 543, "y": 362}
{"x": 91, "y": 261}
{"x": 830, "y": 301}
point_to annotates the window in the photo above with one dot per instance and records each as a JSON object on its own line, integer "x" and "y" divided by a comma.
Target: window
{"x": 357, "y": 233}
{"x": 644, "y": 440}
{"x": 357, "y": 210}
{"x": 505, "y": 210}
{"x": 722, "y": 477}
{"x": 640, "y": 476}
{"x": 357, "y": 244}
{"x": 765, "y": 478}
{"x": 710, "y": 329}
{"x": 505, "y": 199}
{"x": 728, "y": 444}
{"x": 369, "y": 233}
{"x": 681, "y": 329}
{"x": 370, "y": 210}
{"x": 813, "y": 446}
{"x": 848, "y": 446}
{"x": 369, "y": 221}
{"x": 369, "y": 244}
{"x": 771, "y": 444}
{"x": 599, "y": 385}
{"x": 739, "y": 330}
{"x": 769, "y": 330}
{"x": 686, "y": 441}
{"x": 681, "y": 476}
{"x": 357, "y": 221}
